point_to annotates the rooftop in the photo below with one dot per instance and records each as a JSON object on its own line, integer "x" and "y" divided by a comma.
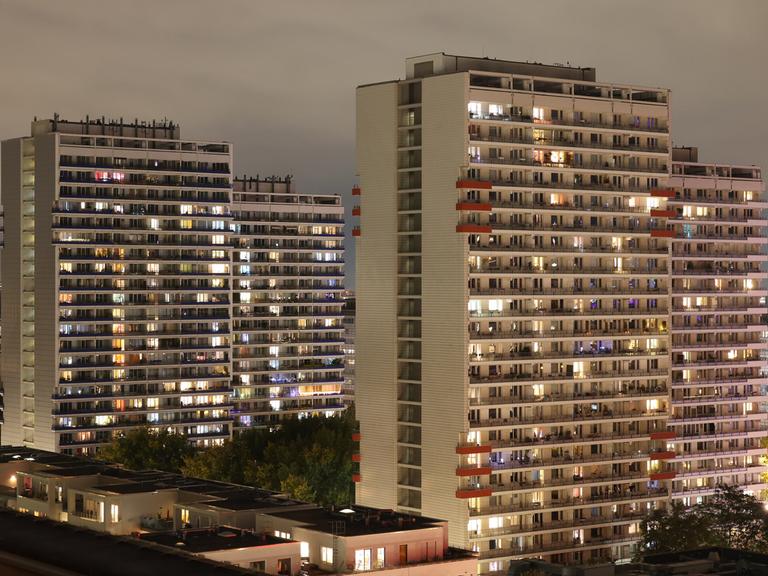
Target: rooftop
{"x": 357, "y": 520}
{"x": 210, "y": 539}
{"x": 103, "y": 126}
{"x": 450, "y": 63}
{"x": 28, "y": 541}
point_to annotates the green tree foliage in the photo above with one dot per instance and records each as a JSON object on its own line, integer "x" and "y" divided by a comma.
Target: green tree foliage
{"x": 309, "y": 459}
{"x": 230, "y": 462}
{"x": 142, "y": 449}
{"x": 730, "y": 518}
{"x": 673, "y": 529}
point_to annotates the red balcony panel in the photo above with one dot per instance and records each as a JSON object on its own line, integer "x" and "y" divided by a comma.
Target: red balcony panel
{"x": 356, "y": 211}
{"x": 659, "y": 233}
{"x": 479, "y": 184}
{"x": 665, "y": 455}
{"x": 356, "y": 436}
{"x": 663, "y": 475}
{"x": 662, "y": 192}
{"x": 356, "y": 232}
{"x": 473, "y": 207}
{"x": 467, "y": 471}
{"x": 473, "y": 492}
{"x": 665, "y": 435}
{"x": 356, "y": 457}
{"x": 655, "y": 213}
{"x": 486, "y": 449}
{"x": 473, "y": 228}
{"x": 355, "y": 190}
{"x": 356, "y": 478}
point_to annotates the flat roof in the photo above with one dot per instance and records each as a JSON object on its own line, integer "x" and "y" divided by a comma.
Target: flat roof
{"x": 210, "y": 539}
{"x": 82, "y": 551}
{"x": 357, "y": 520}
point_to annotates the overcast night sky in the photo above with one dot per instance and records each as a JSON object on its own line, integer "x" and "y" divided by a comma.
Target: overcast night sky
{"x": 277, "y": 78}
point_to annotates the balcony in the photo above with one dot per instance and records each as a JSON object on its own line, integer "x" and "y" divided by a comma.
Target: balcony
{"x": 528, "y": 120}
{"x": 615, "y": 496}
{"x": 565, "y": 419}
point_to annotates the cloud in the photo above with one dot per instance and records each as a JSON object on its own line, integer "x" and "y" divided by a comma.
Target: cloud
{"x": 278, "y": 78}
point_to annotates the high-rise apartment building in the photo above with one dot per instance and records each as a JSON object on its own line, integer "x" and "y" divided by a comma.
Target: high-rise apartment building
{"x": 138, "y": 289}
{"x": 116, "y": 284}
{"x": 719, "y": 377}
{"x": 516, "y": 252}
{"x": 288, "y": 280}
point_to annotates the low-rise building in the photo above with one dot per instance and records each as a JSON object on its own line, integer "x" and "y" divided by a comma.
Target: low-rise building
{"x": 240, "y": 525}
{"x": 244, "y": 548}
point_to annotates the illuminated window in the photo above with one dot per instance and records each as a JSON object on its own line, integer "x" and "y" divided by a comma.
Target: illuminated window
{"x": 538, "y": 114}
{"x": 363, "y": 559}
{"x": 218, "y": 239}
{"x": 184, "y": 515}
{"x": 496, "y": 109}
{"x": 326, "y": 554}
{"x": 186, "y": 224}
{"x": 114, "y": 513}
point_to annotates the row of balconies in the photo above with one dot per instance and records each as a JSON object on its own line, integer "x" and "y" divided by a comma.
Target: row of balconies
{"x": 560, "y": 501}
{"x": 108, "y": 193}
{"x": 614, "y": 164}
{"x": 525, "y": 119}
{"x": 520, "y": 377}
{"x": 548, "y": 139}
{"x": 579, "y": 354}
{"x": 119, "y": 390}
{"x": 132, "y": 179}
{"x": 126, "y": 210}
{"x": 524, "y": 246}
{"x": 558, "y": 334}
{"x": 548, "y": 398}
{"x": 172, "y": 419}
{"x": 592, "y": 418}
{"x": 601, "y": 292}
{"x": 155, "y": 359}
{"x": 656, "y": 312}
{"x": 554, "y": 268}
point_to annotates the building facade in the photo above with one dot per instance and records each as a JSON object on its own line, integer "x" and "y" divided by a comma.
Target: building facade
{"x": 116, "y": 283}
{"x": 124, "y": 303}
{"x": 719, "y": 379}
{"x": 515, "y": 296}
{"x": 288, "y": 280}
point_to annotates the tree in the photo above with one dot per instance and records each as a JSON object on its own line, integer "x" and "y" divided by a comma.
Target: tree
{"x": 310, "y": 459}
{"x": 737, "y": 520}
{"x": 730, "y": 518}
{"x": 672, "y": 529}
{"x": 144, "y": 448}
{"x": 230, "y": 462}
